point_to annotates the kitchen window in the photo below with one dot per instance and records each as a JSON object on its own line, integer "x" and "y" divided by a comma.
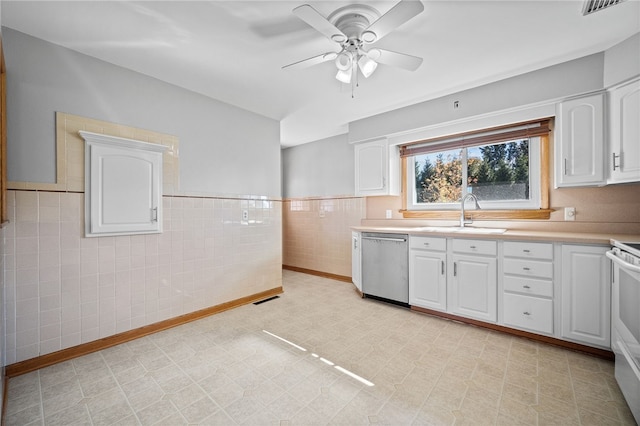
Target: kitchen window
{"x": 506, "y": 168}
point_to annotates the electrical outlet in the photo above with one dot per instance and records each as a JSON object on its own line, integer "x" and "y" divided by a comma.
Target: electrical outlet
{"x": 569, "y": 213}
{"x": 389, "y": 214}
{"x": 245, "y": 215}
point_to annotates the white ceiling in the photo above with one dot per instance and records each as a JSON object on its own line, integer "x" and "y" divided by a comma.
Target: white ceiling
{"x": 234, "y": 50}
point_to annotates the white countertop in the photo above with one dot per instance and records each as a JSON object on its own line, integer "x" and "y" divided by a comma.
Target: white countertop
{"x": 515, "y": 234}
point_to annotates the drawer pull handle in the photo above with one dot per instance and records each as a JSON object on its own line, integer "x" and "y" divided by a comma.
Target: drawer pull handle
{"x": 526, "y": 268}
{"x": 526, "y": 251}
{"x": 526, "y": 286}
{"x": 442, "y": 266}
{"x": 526, "y": 313}
{"x": 426, "y": 244}
{"x": 472, "y": 247}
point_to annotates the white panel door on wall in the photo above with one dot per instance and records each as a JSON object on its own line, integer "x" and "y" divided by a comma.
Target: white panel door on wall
{"x": 123, "y": 186}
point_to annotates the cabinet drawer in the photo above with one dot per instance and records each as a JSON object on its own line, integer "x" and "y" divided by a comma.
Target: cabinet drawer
{"x": 488, "y": 248}
{"x": 531, "y": 313}
{"x": 530, "y": 286}
{"x": 528, "y": 268}
{"x": 428, "y": 243}
{"x": 528, "y": 250}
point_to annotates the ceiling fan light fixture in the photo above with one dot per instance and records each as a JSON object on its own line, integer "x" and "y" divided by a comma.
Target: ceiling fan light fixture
{"x": 369, "y": 36}
{"x": 343, "y": 61}
{"x": 344, "y": 76}
{"x": 339, "y": 38}
{"x": 367, "y": 65}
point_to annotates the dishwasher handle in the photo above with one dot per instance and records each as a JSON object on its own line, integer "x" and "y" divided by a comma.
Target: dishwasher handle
{"x": 400, "y": 240}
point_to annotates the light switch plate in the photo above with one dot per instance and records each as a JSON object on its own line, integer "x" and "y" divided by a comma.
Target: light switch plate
{"x": 570, "y": 213}
{"x": 389, "y": 214}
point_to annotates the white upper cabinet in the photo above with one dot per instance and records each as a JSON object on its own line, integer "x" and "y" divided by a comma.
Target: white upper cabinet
{"x": 123, "y": 184}
{"x": 377, "y": 168}
{"x": 579, "y": 142}
{"x": 624, "y": 133}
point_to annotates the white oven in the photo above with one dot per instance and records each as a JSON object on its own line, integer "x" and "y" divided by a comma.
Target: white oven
{"x": 625, "y": 320}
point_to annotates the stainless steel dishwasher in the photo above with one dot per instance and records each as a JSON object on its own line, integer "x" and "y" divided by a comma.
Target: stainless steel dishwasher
{"x": 385, "y": 266}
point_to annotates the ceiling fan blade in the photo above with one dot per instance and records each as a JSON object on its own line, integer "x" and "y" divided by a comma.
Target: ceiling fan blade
{"x": 402, "y": 12}
{"x": 305, "y": 63}
{"x": 395, "y": 59}
{"x": 312, "y": 17}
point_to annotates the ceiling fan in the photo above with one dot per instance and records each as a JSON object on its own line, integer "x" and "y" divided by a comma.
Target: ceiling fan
{"x": 354, "y": 28}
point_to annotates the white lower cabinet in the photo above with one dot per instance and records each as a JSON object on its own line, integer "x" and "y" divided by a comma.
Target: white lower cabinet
{"x": 474, "y": 279}
{"x": 527, "y": 282}
{"x": 528, "y": 312}
{"x": 586, "y": 295}
{"x": 356, "y": 264}
{"x": 427, "y": 273}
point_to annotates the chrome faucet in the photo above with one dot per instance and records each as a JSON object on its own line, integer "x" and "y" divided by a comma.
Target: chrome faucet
{"x": 464, "y": 199}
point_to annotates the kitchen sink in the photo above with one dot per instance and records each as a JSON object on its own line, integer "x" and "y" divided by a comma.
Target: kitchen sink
{"x": 462, "y": 230}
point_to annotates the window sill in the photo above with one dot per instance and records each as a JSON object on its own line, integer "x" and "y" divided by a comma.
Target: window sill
{"x": 478, "y": 214}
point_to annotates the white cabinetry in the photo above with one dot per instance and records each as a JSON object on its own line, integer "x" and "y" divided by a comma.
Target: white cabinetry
{"x": 579, "y": 143}
{"x": 123, "y": 184}
{"x": 624, "y": 133}
{"x": 527, "y": 277}
{"x": 377, "y": 168}
{"x": 427, "y": 272}
{"x": 586, "y": 295}
{"x": 474, "y": 279}
{"x": 356, "y": 264}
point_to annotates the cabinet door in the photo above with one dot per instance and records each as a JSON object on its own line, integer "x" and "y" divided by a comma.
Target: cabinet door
{"x": 355, "y": 260}
{"x": 586, "y": 295}
{"x": 123, "y": 184}
{"x": 474, "y": 287}
{"x": 377, "y": 169}
{"x": 624, "y": 133}
{"x": 579, "y": 145}
{"x": 428, "y": 279}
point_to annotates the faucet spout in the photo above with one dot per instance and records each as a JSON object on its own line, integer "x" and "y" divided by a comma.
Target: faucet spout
{"x": 464, "y": 221}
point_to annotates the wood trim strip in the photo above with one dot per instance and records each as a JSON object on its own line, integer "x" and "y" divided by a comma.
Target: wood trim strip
{"x": 600, "y": 353}
{"x": 544, "y": 172}
{"x": 336, "y": 277}
{"x": 42, "y": 361}
{"x": 478, "y": 214}
{"x": 3, "y": 138}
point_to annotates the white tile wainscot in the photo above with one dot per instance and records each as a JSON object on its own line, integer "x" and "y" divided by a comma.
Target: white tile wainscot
{"x": 62, "y": 290}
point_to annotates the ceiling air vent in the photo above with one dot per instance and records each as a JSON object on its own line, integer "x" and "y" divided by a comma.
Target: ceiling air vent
{"x": 591, "y": 6}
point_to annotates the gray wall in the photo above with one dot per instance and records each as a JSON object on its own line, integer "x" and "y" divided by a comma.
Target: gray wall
{"x": 566, "y": 79}
{"x": 321, "y": 168}
{"x": 223, "y": 149}
{"x": 622, "y": 61}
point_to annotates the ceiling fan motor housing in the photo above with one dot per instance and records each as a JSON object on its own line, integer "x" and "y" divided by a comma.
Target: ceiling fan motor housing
{"x": 353, "y": 20}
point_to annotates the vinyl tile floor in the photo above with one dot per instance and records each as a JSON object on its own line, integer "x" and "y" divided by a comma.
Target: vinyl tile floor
{"x": 320, "y": 355}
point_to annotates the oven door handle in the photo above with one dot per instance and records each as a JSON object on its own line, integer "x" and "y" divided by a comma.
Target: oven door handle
{"x": 626, "y": 265}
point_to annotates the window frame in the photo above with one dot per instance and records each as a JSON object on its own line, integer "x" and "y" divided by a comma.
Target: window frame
{"x": 539, "y": 209}
{"x": 533, "y": 202}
